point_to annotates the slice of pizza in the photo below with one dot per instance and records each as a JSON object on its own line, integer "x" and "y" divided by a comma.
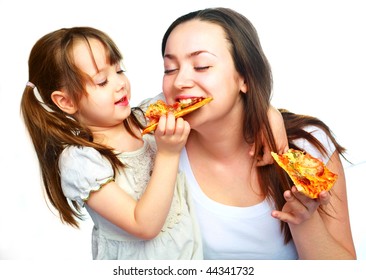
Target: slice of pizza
{"x": 308, "y": 173}
{"x": 179, "y": 109}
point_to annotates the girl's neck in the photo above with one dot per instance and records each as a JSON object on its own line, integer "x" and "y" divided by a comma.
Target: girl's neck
{"x": 118, "y": 138}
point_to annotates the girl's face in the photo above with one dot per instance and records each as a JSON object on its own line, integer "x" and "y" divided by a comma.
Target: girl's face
{"x": 107, "y": 101}
{"x": 198, "y": 63}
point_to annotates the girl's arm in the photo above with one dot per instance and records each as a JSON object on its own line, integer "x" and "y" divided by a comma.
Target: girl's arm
{"x": 145, "y": 218}
{"x": 316, "y": 234}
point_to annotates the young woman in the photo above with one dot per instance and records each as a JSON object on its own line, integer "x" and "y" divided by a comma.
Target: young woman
{"x": 246, "y": 211}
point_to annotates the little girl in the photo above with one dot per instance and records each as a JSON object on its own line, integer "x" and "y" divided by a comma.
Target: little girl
{"x": 91, "y": 153}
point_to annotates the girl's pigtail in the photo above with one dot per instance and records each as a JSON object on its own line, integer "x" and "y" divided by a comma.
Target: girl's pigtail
{"x": 45, "y": 130}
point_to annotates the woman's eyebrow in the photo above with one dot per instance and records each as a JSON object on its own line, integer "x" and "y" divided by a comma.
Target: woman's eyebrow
{"x": 192, "y": 54}
{"x": 196, "y": 53}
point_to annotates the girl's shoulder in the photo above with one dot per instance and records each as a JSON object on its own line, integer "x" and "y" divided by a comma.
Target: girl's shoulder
{"x": 82, "y": 170}
{"x": 75, "y": 155}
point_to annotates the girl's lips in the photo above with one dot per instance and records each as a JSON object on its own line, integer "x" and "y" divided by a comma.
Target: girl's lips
{"x": 123, "y": 101}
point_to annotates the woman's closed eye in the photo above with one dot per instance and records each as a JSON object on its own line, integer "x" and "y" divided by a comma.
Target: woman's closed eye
{"x": 169, "y": 71}
{"x": 197, "y": 68}
{"x": 201, "y": 68}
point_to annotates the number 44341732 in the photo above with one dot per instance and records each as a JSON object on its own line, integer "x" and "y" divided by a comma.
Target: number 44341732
{"x": 234, "y": 270}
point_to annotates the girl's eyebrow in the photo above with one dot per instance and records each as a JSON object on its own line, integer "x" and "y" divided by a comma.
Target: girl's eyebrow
{"x": 97, "y": 73}
{"x": 192, "y": 54}
{"x": 100, "y": 71}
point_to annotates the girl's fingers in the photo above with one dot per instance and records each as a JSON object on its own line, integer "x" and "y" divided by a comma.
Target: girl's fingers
{"x": 179, "y": 126}
{"x": 170, "y": 124}
{"x": 160, "y": 130}
{"x": 166, "y": 125}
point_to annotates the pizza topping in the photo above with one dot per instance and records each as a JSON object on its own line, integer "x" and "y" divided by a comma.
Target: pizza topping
{"x": 179, "y": 109}
{"x": 309, "y": 174}
{"x": 156, "y": 110}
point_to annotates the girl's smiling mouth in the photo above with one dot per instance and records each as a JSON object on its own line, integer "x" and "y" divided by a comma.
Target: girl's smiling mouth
{"x": 123, "y": 101}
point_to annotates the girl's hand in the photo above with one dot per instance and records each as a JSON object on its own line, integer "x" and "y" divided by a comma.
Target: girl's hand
{"x": 298, "y": 207}
{"x": 171, "y": 134}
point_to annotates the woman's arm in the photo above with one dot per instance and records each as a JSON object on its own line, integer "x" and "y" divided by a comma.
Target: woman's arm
{"x": 279, "y": 132}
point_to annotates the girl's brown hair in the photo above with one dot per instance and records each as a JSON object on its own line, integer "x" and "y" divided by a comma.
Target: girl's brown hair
{"x": 52, "y": 68}
{"x": 251, "y": 62}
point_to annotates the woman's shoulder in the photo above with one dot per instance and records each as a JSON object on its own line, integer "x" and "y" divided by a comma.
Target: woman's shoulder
{"x": 310, "y": 148}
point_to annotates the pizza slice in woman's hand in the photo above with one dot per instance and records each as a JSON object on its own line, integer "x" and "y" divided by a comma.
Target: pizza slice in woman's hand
{"x": 309, "y": 174}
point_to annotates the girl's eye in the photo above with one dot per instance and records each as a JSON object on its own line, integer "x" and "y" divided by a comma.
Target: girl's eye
{"x": 120, "y": 68}
{"x": 103, "y": 84}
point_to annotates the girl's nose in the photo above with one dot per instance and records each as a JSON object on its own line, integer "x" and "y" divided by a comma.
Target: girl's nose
{"x": 121, "y": 82}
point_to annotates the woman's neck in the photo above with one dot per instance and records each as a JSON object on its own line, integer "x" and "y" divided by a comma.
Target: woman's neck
{"x": 221, "y": 145}
{"x": 223, "y": 167}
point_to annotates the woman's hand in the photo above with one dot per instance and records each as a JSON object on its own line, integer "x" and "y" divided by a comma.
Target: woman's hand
{"x": 298, "y": 207}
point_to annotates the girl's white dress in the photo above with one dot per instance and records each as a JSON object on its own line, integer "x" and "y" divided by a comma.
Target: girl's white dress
{"x": 84, "y": 170}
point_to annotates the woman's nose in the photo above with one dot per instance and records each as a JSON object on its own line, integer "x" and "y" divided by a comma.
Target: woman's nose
{"x": 183, "y": 79}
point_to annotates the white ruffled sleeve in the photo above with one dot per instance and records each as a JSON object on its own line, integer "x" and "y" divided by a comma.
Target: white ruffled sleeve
{"x": 83, "y": 170}
{"x": 144, "y": 104}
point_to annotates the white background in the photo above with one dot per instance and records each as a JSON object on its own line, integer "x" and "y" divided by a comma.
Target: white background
{"x": 317, "y": 53}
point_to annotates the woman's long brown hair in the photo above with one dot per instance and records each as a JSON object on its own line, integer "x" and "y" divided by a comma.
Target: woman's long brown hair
{"x": 251, "y": 62}
{"x": 51, "y": 68}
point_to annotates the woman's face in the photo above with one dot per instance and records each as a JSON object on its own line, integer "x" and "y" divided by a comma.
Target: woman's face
{"x": 198, "y": 63}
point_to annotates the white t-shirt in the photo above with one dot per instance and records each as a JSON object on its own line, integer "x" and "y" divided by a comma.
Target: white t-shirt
{"x": 230, "y": 232}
